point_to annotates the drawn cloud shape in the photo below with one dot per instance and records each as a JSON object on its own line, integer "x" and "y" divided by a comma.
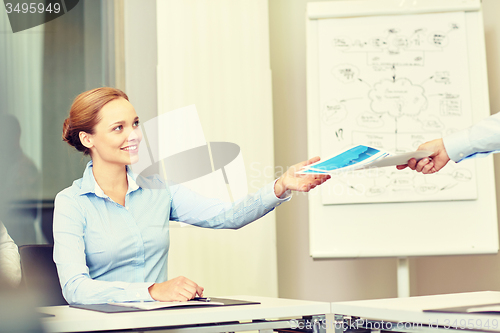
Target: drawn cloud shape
{"x": 398, "y": 98}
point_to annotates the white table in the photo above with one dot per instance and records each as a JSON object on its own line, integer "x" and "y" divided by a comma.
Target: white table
{"x": 408, "y": 312}
{"x": 271, "y": 314}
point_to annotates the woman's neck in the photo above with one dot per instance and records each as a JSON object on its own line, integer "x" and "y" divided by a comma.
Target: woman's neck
{"x": 110, "y": 177}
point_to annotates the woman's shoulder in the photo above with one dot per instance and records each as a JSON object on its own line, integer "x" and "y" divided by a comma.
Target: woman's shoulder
{"x": 82, "y": 185}
{"x": 68, "y": 202}
{"x": 152, "y": 181}
{"x": 71, "y": 191}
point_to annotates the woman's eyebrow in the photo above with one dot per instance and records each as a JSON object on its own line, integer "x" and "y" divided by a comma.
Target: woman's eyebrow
{"x": 122, "y": 122}
{"x": 117, "y": 123}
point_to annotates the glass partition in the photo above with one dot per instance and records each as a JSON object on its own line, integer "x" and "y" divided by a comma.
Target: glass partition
{"x": 42, "y": 70}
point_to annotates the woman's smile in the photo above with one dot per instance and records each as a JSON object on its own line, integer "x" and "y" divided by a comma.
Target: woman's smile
{"x": 131, "y": 149}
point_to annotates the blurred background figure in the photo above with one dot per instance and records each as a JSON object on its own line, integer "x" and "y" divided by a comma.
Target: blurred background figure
{"x": 10, "y": 264}
{"x": 17, "y": 305}
{"x": 19, "y": 193}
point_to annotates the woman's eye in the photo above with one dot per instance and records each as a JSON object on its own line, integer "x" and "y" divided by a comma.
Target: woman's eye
{"x": 118, "y": 128}
{"x": 136, "y": 123}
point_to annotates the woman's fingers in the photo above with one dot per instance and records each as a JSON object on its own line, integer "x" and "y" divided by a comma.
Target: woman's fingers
{"x": 191, "y": 290}
{"x": 184, "y": 295}
{"x": 186, "y": 288}
{"x": 190, "y": 283}
{"x": 176, "y": 289}
{"x": 308, "y": 162}
{"x": 308, "y": 183}
{"x": 313, "y": 160}
{"x": 324, "y": 178}
{"x": 199, "y": 291}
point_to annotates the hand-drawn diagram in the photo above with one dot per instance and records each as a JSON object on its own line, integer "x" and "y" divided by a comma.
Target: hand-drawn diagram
{"x": 394, "y": 83}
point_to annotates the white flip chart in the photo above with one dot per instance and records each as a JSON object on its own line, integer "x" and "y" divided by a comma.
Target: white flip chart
{"x": 392, "y": 74}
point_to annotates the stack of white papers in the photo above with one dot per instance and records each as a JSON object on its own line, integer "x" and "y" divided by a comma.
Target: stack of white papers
{"x": 361, "y": 157}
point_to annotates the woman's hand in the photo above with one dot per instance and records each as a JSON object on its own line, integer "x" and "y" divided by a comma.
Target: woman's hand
{"x": 179, "y": 289}
{"x": 302, "y": 183}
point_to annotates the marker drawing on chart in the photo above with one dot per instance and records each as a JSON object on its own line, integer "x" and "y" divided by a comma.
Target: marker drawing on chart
{"x": 393, "y": 85}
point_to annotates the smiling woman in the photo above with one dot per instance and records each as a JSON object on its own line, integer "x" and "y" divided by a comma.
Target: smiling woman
{"x": 111, "y": 227}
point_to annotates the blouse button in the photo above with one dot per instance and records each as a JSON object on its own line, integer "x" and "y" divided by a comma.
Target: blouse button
{"x": 126, "y": 208}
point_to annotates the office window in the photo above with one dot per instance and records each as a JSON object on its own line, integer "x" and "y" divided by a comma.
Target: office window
{"x": 42, "y": 70}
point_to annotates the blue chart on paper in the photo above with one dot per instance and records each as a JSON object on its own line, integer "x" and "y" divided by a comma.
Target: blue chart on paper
{"x": 350, "y": 157}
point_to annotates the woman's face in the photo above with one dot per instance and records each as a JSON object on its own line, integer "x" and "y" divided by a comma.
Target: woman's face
{"x": 117, "y": 135}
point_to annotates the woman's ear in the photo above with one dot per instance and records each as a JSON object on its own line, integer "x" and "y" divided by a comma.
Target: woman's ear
{"x": 86, "y": 139}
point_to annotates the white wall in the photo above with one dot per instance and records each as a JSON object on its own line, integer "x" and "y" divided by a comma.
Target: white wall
{"x": 141, "y": 56}
{"x": 215, "y": 54}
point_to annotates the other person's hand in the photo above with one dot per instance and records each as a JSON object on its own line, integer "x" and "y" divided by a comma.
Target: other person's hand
{"x": 178, "y": 289}
{"x": 302, "y": 183}
{"x": 431, "y": 164}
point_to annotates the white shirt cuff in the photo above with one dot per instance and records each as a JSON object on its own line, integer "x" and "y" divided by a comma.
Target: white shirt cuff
{"x": 140, "y": 292}
{"x": 269, "y": 198}
{"x": 458, "y": 145}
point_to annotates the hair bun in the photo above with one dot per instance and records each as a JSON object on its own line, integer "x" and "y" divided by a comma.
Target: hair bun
{"x": 66, "y": 131}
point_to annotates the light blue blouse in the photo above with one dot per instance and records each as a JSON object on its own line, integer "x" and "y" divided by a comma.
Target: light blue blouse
{"x": 106, "y": 252}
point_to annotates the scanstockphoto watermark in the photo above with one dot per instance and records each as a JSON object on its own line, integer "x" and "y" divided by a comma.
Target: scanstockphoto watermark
{"x": 347, "y": 182}
{"x": 26, "y": 14}
{"x": 455, "y": 324}
{"x": 352, "y": 325}
{"x": 333, "y": 325}
{"x": 268, "y": 171}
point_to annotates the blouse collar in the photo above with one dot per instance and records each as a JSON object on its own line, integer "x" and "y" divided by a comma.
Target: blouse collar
{"x": 89, "y": 185}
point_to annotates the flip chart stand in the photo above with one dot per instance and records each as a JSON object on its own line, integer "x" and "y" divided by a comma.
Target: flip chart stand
{"x": 403, "y": 277}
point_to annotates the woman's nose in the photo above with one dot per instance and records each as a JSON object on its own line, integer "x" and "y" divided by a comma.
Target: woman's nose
{"x": 135, "y": 134}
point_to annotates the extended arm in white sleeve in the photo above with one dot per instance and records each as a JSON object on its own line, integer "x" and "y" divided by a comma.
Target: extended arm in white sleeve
{"x": 481, "y": 139}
